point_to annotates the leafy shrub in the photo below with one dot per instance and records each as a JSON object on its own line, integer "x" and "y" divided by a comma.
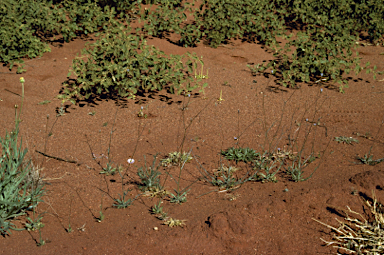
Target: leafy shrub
{"x": 72, "y": 18}
{"x": 223, "y": 20}
{"x": 167, "y": 17}
{"x": 320, "y": 54}
{"x": 215, "y": 20}
{"x": 123, "y": 63}
{"x": 17, "y": 38}
{"x": 324, "y": 41}
{"x": 26, "y": 25}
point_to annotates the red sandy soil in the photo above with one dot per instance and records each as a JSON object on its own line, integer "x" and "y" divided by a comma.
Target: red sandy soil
{"x": 265, "y": 218}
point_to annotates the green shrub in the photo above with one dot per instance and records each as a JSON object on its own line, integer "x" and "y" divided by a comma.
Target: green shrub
{"x": 26, "y": 25}
{"x": 249, "y": 20}
{"x": 17, "y": 38}
{"x": 327, "y": 33}
{"x": 121, "y": 62}
{"x": 167, "y": 17}
{"x": 323, "y": 33}
{"x": 214, "y": 20}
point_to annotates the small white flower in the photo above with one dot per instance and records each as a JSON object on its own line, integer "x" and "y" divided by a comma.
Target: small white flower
{"x": 131, "y": 161}
{"x": 321, "y": 74}
{"x": 321, "y": 90}
{"x": 235, "y": 138}
{"x": 142, "y": 108}
{"x": 306, "y": 119}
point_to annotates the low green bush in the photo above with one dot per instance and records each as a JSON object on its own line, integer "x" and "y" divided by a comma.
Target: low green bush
{"x": 27, "y": 25}
{"x": 121, "y": 62}
{"x": 322, "y": 34}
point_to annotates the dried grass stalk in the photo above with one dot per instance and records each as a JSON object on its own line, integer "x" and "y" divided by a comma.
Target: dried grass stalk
{"x": 360, "y": 236}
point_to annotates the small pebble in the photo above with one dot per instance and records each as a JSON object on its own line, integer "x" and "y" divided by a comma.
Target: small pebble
{"x": 156, "y": 228}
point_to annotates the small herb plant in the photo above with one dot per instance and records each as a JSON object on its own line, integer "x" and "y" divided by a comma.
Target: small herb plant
{"x": 224, "y": 178}
{"x": 141, "y": 113}
{"x": 176, "y": 158}
{"x": 180, "y": 195}
{"x": 157, "y": 210}
{"x": 110, "y": 170}
{"x": 296, "y": 169}
{"x": 347, "y": 140}
{"x": 266, "y": 168}
{"x": 240, "y": 154}
{"x": 368, "y": 159}
{"x": 149, "y": 176}
{"x": 121, "y": 202}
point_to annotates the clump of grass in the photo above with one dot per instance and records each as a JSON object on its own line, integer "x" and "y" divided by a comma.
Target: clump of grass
{"x": 21, "y": 187}
{"x": 347, "y": 140}
{"x": 176, "y": 158}
{"x": 357, "y": 235}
